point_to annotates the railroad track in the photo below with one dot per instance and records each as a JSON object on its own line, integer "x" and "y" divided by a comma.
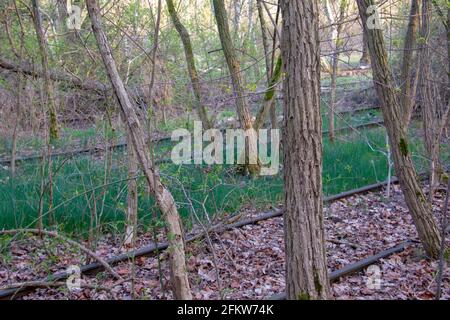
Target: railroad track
{"x": 96, "y": 267}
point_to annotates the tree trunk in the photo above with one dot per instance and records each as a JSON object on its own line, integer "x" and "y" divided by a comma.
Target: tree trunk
{"x": 432, "y": 125}
{"x": 393, "y": 116}
{"x": 364, "y": 62}
{"x": 16, "y": 123}
{"x": 237, "y": 81}
{"x": 163, "y": 196}
{"x": 132, "y": 197}
{"x": 269, "y": 69}
{"x": 269, "y": 96}
{"x": 49, "y": 94}
{"x": 265, "y": 40}
{"x": 306, "y": 268}
{"x": 407, "y": 78}
{"x": 336, "y": 43}
{"x": 61, "y": 16}
{"x": 188, "y": 52}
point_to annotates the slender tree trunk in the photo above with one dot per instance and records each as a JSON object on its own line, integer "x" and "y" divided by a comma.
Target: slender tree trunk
{"x": 237, "y": 4}
{"x": 336, "y": 43}
{"x": 269, "y": 70}
{"x": 49, "y": 94}
{"x": 190, "y": 61}
{"x": 306, "y": 268}
{"x": 364, "y": 62}
{"x": 61, "y": 16}
{"x": 269, "y": 96}
{"x": 393, "y": 116}
{"x": 343, "y": 5}
{"x": 237, "y": 80}
{"x": 132, "y": 197}
{"x": 164, "y": 198}
{"x": 265, "y": 39}
{"x": 16, "y": 123}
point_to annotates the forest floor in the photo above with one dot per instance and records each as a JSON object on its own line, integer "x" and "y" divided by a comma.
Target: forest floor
{"x": 250, "y": 260}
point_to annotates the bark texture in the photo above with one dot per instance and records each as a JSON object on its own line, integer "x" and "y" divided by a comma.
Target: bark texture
{"x": 393, "y": 116}
{"x": 164, "y": 199}
{"x": 306, "y": 269}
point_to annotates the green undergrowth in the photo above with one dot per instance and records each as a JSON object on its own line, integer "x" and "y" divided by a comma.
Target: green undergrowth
{"x": 353, "y": 161}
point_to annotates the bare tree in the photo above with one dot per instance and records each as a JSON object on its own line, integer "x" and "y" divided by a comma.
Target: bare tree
{"x": 393, "y": 115}
{"x": 306, "y": 268}
{"x": 164, "y": 198}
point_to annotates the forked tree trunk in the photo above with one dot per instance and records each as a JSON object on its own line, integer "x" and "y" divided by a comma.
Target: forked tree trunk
{"x": 306, "y": 268}
{"x": 49, "y": 94}
{"x": 237, "y": 80}
{"x": 164, "y": 198}
{"x": 393, "y": 116}
{"x": 192, "y": 70}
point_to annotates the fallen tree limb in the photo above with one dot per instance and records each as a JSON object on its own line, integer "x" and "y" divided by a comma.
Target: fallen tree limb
{"x": 35, "y": 71}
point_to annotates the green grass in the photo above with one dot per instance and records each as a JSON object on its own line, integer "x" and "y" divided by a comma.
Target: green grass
{"x": 348, "y": 163}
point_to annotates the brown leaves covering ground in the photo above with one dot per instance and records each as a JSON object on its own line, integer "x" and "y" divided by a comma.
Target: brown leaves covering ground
{"x": 250, "y": 260}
